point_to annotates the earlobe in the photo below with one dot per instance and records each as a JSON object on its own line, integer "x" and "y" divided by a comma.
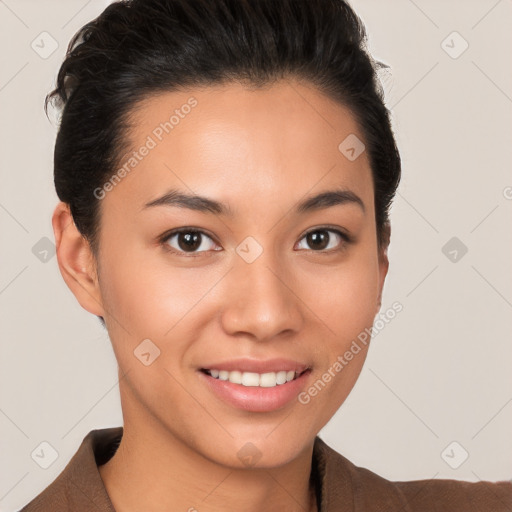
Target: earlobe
{"x": 76, "y": 261}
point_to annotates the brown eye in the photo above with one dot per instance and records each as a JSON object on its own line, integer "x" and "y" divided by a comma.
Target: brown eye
{"x": 325, "y": 239}
{"x": 189, "y": 241}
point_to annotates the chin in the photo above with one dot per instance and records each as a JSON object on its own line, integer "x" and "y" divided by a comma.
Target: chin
{"x": 259, "y": 451}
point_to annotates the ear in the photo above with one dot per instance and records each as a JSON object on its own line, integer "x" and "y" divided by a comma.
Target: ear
{"x": 383, "y": 262}
{"x": 76, "y": 261}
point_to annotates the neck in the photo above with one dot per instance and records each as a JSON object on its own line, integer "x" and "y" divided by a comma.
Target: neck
{"x": 153, "y": 470}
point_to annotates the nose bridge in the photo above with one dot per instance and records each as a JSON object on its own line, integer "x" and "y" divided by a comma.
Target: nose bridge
{"x": 259, "y": 301}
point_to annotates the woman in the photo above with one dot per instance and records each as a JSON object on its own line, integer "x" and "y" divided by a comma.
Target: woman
{"x": 225, "y": 170}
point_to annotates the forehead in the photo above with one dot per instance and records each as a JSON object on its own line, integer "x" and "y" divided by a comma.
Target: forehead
{"x": 271, "y": 143}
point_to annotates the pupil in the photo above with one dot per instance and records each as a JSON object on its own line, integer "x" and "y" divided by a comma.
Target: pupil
{"x": 191, "y": 240}
{"x": 318, "y": 238}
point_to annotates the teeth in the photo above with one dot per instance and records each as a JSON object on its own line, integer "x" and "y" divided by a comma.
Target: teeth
{"x": 264, "y": 380}
{"x": 281, "y": 377}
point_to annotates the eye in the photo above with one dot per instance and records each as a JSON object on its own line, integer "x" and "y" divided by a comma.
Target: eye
{"x": 320, "y": 240}
{"x": 192, "y": 241}
{"x": 187, "y": 240}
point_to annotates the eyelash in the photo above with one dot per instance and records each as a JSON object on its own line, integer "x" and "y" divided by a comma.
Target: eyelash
{"x": 163, "y": 240}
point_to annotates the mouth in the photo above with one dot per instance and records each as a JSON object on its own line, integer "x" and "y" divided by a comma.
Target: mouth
{"x": 255, "y": 392}
{"x": 253, "y": 379}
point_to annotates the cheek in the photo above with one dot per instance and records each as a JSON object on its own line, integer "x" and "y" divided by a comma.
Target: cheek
{"x": 345, "y": 298}
{"x": 346, "y": 306}
{"x": 136, "y": 290}
{"x": 348, "y": 310}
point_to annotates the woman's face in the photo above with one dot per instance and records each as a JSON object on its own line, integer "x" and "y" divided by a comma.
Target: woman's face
{"x": 263, "y": 282}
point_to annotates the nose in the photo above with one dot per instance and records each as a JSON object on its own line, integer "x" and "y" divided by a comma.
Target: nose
{"x": 261, "y": 300}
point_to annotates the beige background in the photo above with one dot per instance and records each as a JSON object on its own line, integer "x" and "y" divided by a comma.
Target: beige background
{"x": 438, "y": 373}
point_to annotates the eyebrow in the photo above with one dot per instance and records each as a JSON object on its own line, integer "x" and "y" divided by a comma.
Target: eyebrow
{"x": 203, "y": 204}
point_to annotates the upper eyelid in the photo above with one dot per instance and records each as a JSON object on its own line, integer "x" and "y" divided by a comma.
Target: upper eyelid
{"x": 177, "y": 231}
{"x": 336, "y": 229}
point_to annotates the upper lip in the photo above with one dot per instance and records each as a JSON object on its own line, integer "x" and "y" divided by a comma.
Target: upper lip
{"x": 258, "y": 365}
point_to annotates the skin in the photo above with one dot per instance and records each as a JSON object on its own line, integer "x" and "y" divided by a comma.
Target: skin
{"x": 260, "y": 152}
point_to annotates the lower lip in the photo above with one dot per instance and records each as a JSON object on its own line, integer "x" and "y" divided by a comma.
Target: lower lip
{"x": 255, "y": 398}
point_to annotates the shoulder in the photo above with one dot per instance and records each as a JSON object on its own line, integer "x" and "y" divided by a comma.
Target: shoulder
{"x": 342, "y": 482}
{"x": 79, "y": 486}
{"x": 52, "y": 498}
{"x": 449, "y": 495}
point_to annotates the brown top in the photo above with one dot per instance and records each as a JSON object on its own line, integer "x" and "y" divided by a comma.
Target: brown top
{"x": 340, "y": 485}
